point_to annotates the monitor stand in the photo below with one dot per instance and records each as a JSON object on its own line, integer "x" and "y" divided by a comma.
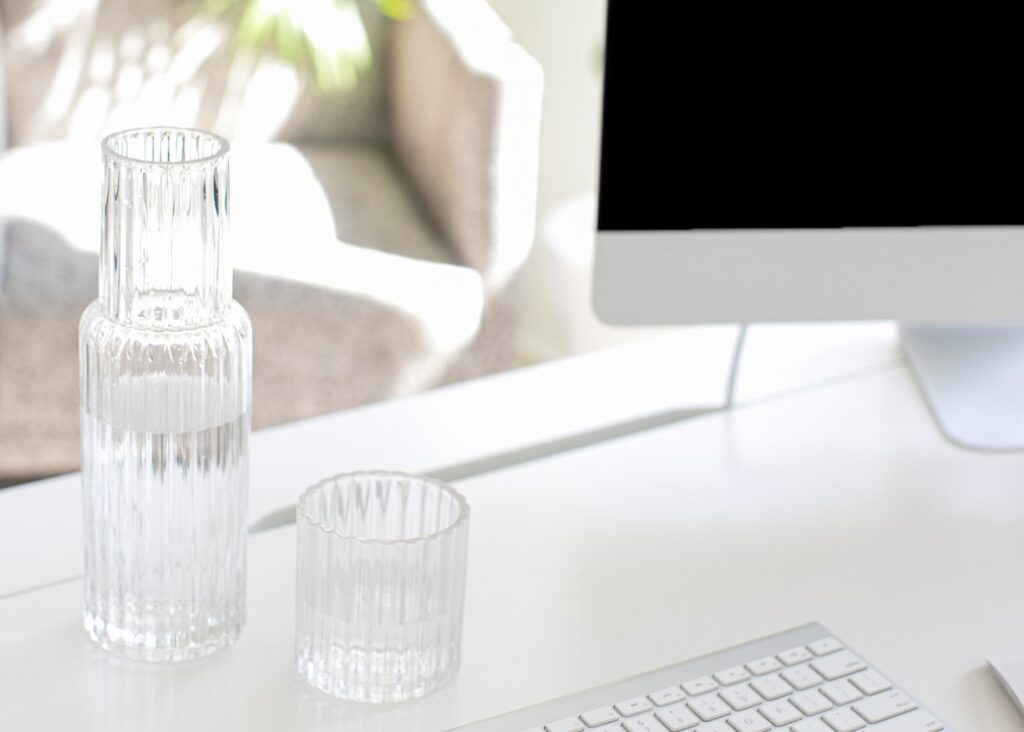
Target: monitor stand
{"x": 972, "y": 378}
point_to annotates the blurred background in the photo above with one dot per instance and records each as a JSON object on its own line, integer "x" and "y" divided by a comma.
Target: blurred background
{"x": 413, "y": 187}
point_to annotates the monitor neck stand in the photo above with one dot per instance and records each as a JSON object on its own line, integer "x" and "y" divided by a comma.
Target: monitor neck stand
{"x": 972, "y": 378}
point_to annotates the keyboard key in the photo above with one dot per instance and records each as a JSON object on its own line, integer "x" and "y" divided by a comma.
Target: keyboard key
{"x": 802, "y": 677}
{"x": 700, "y": 686}
{"x": 732, "y": 676}
{"x": 837, "y": 665}
{"x": 740, "y": 697}
{"x": 870, "y": 682}
{"x": 884, "y": 706}
{"x": 677, "y": 717}
{"x": 795, "y": 655}
{"x": 820, "y": 687}
{"x": 843, "y": 720}
{"x": 763, "y": 666}
{"x": 841, "y": 692}
{"x": 749, "y": 722}
{"x": 597, "y": 717}
{"x": 825, "y": 646}
{"x": 780, "y": 712}
{"x": 810, "y": 725}
{"x": 646, "y": 723}
{"x": 771, "y": 687}
{"x": 709, "y": 707}
{"x": 671, "y": 695}
{"x": 811, "y": 702}
{"x": 637, "y": 705}
{"x": 913, "y": 722}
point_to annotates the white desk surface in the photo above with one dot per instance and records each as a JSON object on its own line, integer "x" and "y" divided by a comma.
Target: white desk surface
{"x": 465, "y": 424}
{"x": 838, "y": 503}
{"x": 464, "y": 428}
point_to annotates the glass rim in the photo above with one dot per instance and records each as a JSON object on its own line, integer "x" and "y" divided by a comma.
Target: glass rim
{"x": 109, "y": 152}
{"x": 460, "y": 520}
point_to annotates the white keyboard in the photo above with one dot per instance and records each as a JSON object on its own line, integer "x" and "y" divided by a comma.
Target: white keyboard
{"x": 802, "y": 680}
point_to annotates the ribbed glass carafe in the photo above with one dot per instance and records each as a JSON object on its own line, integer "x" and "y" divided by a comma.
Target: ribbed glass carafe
{"x": 166, "y": 374}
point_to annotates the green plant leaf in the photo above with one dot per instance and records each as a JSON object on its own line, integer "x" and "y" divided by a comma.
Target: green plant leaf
{"x": 397, "y": 9}
{"x": 324, "y": 38}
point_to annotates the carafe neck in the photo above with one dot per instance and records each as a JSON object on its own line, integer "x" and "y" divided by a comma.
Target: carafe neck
{"x": 163, "y": 253}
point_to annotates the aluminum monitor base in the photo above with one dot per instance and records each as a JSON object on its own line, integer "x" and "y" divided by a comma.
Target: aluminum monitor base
{"x": 972, "y": 378}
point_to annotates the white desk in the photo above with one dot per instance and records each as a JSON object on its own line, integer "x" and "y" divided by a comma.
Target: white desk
{"x": 458, "y": 430}
{"x": 838, "y": 502}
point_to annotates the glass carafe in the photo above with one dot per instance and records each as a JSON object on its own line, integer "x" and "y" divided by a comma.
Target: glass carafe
{"x": 166, "y": 374}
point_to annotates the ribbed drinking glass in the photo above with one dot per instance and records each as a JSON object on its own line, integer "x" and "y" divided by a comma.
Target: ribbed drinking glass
{"x": 166, "y": 372}
{"x": 381, "y": 582}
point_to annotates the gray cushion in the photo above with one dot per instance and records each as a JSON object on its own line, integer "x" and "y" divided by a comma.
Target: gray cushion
{"x": 373, "y": 203}
{"x": 465, "y": 123}
{"x": 42, "y": 272}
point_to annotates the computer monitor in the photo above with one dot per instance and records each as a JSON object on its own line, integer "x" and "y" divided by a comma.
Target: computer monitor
{"x": 824, "y": 163}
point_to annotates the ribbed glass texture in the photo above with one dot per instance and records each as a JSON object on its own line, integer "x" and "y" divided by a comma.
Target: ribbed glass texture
{"x": 381, "y": 582}
{"x": 166, "y": 374}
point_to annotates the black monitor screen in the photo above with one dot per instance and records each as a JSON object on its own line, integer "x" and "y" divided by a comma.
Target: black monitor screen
{"x": 721, "y": 117}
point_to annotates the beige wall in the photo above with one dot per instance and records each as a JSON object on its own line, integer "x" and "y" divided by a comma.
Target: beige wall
{"x": 567, "y": 38}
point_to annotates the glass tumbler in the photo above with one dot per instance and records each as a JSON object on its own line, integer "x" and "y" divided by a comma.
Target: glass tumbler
{"x": 381, "y": 581}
